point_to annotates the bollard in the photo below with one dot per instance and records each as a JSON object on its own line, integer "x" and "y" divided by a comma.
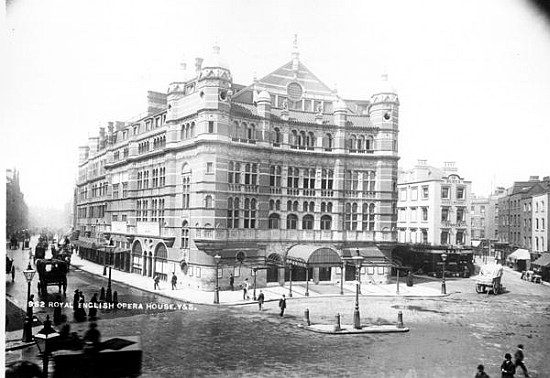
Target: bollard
{"x": 399, "y": 319}
{"x": 115, "y": 298}
{"x": 338, "y": 326}
{"x": 306, "y": 315}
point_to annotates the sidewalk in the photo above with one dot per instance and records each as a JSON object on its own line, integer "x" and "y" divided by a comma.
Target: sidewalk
{"x": 271, "y": 293}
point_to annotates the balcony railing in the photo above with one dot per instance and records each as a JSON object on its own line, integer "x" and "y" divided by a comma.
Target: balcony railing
{"x": 219, "y": 234}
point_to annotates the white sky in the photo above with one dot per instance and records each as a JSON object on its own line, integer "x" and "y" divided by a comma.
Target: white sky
{"x": 473, "y": 77}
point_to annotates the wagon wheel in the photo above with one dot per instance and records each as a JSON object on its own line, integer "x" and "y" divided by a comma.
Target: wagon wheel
{"x": 479, "y": 288}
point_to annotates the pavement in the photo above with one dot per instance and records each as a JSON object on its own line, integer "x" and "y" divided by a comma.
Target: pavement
{"x": 271, "y": 293}
{"x": 234, "y": 298}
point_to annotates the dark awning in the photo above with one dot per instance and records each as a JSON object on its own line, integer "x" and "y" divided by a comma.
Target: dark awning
{"x": 371, "y": 255}
{"x": 544, "y": 260}
{"x": 313, "y": 255}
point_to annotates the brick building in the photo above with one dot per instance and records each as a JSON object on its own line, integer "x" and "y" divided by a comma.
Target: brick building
{"x": 282, "y": 174}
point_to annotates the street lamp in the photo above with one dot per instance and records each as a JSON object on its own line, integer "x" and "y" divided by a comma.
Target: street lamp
{"x": 217, "y": 292}
{"x": 443, "y": 286}
{"x": 44, "y": 339}
{"x": 357, "y": 260}
{"x": 255, "y": 272}
{"x": 27, "y": 327}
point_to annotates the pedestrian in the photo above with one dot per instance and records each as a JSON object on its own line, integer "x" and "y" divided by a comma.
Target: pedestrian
{"x": 231, "y": 281}
{"x": 261, "y": 300}
{"x": 518, "y": 357}
{"x": 92, "y": 338}
{"x": 57, "y": 312}
{"x": 156, "y": 279}
{"x": 76, "y": 297}
{"x": 174, "y": 281}
{"x": 282, "y": 305}
{"x": 507, "y": 368}
{"x": 245, "y": 289}
{"x": 481, "y": 372}
{"x": 93, "y": 310}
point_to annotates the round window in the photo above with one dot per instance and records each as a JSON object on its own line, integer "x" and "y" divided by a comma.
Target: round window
{"x": 294, "y": 91}
{"x": 387, "y": 116}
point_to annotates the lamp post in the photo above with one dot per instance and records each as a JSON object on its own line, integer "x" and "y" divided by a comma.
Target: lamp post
{"x": 357, "y": 260}
{"x": 255, "y": 272}
{"x": 443, "y": 286}
{"x": 27, "y": 327}
{"x": 44, "y": 339}
{"x": 217, "y": 292}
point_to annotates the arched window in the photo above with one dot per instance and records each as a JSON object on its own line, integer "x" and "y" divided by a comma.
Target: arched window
{"x": 232, "y": 213}
{"x": 307, "y": 222}
{"x": 327, "y": 142}
{"x": 310, "y": 140}
{"x": 235, "y": 130}
{"x": 208, "y": 201}
{"x": 251, "y": 132}
{"x": 185, "y": 235}
{"x": 353, "y": 143}
{"x": 295, "y": 206}
{"x": 354, "y": 215}
{"x": 277, "y": 137}
{"x": 243, "y": 131}
{"x": 323, "y": 207}
{"x": 329, "y": 207}
{"x": 293, "y": 139}
{"x": 292, "y": 222}
{"x": 192, "y": 132}
{"x": 274, "y": 222}
{"x": 312, "y": 207}
{"x": 326, "y": 222}
{"x": 289, "y": 206}
{"x": 305, "y": 206}
{"x": 361, "y": 143}
{"x": 186, "y": 181}
{"x": 302, "y": 139}
{"x": 249, "y": 213}
{"x": 369, "y": 143}
{"x": 271, "y": 205}
{"x": 278, "y": 205}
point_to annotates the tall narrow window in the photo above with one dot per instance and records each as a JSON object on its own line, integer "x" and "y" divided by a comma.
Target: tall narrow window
{"x": 185, "y": 235}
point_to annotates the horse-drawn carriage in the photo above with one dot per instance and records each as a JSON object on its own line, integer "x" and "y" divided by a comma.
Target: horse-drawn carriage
{"x": 10, "y": 268}
{"x": 63, "y": 254}
{"x": 489, "y": 279}
{"x": 51, "y": 272}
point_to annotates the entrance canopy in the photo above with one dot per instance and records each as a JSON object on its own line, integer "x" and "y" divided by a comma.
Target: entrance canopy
{"x": 520, "y": 254}
{"x": 544, "y": 260}
{"x": 313, "y": 255}
{"x": 371, "y": 255}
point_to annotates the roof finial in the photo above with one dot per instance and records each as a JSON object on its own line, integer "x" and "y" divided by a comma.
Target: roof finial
{"x": 295, "y": 54}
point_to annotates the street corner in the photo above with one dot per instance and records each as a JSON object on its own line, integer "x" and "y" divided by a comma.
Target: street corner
{"x": 345, "y": 329}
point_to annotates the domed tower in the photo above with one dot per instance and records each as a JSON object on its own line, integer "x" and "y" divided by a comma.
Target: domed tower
{"x": 214, "y": 82}
{"x": 384, "y": 114}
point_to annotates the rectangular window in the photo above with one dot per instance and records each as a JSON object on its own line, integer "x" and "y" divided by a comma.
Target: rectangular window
{"x": 209, "y": 167}
{"x": 445, "y": 214}
{"x": 460, "y": 193}
{"x": 124, "y": 190}
{"x": 414, "y": 193}
{"x": 403, "y": 194}
{"x": 370, "y": 270}
{"x": 445, "y": 192}
{"x": 210, "y": 127}
{"x": 414, "y": 214}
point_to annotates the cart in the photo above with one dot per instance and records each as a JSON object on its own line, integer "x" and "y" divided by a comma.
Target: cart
{"x": 51, "y": 272}
{"x": 489, "y": 279}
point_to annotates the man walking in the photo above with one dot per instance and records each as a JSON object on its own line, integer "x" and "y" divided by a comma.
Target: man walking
{"x": 156, "y": 279}
{"x": 174, "y": 281}
{"x": 507, "y": 368}
{"x": 261, "y": 300}
{"x": 282, "y": 305}
{"x": 231, "y": 281}
{"x": 245, "y": 289}
{"x": 518, "y": 357}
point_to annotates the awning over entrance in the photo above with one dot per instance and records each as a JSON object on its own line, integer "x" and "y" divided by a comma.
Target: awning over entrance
{"x": 520, "y": 254}
{"x": 371, "y": 255}
{"x": 544, "y": 260}
{"x": 313, "y": 255}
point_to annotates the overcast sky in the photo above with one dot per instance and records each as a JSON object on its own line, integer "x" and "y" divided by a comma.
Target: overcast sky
{"x": 473, "y": 77}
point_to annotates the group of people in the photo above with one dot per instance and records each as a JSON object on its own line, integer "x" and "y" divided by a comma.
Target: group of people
{"x": 508, "y": 368}
{"x": 79, "y": 309}
{"x": 156, "y": 281}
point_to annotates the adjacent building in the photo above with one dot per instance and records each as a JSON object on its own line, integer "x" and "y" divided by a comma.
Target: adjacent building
{"x": 282, "y": 177}
{"x": 434, "y": 206}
